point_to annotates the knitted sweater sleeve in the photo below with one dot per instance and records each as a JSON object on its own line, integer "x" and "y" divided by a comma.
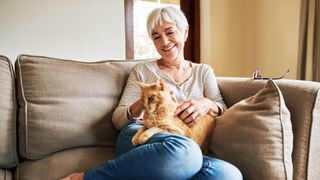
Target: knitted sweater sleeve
{"x": 130, "y": 95}
{"x": 211, "y": 89}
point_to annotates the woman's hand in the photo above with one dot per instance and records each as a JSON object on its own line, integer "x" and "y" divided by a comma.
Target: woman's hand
{"x": 135, "y": 110}
{"x": 189, "y": 111}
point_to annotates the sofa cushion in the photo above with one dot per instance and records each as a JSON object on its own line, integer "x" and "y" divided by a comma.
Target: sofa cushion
{"x": 5, "y": 175}
{"x": 8, "y": 149}
{"x": 303, "y": 101}
{"x": 65, "y": 104}
{"x": 61, "y": 164}
{"x": 255, "y": 135}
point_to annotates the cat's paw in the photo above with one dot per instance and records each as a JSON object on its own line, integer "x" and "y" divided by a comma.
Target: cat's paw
{"x": 135, "y": 141}
{"x": 135, "y": 138}
{"x": 143, "y": 138}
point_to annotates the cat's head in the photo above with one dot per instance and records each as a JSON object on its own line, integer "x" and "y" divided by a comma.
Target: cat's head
{"x": 156, "y": 95}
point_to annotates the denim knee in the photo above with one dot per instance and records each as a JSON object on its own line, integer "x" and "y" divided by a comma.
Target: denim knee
{"x": 219, "y": 169}
{"x": 229, "y": 171}
{"x": 181, "y": 152}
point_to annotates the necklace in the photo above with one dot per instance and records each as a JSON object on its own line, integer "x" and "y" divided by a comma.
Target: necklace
{"x": 177, "y": 74}
{"x": 162, "y": 63}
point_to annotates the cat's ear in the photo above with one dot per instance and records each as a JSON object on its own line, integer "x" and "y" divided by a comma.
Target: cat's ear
{"x": 141, "y": 85}
{"x": 162, "y": 85}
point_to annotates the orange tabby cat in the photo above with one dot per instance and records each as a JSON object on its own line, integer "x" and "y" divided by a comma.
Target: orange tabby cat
{"x": 159, "y": 117}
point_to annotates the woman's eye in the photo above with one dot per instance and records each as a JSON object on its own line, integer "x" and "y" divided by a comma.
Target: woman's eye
{"x": 168, "y": 33}
{"x": 155, "y": 38}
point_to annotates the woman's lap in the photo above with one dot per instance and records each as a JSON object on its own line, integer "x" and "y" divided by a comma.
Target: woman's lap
{"x": 164, "y": 156}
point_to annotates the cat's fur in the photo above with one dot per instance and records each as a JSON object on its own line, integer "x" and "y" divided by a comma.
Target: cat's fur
{"x": 159, "y": 117}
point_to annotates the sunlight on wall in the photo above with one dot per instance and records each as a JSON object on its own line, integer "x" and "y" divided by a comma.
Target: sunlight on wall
{"x": 247, "y": 34}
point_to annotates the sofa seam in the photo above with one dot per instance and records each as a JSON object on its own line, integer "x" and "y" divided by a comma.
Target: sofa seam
{"x": 81, "y": 62}
{"x": 15, "y": 109}
{"x": 281, "y": 101}
{"x": 25, "y": 108}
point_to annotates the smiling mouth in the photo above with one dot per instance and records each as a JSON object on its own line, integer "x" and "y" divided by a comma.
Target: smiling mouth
{"x": 169, "y": 48}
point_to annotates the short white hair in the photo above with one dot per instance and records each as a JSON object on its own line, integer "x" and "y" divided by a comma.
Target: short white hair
{"x": 168, "y": 14}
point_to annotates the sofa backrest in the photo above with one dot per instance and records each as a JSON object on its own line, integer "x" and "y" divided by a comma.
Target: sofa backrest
{"x": 303, "y": 101}
{"x": 65, "y": 104}
{"x": 8, "y": 152}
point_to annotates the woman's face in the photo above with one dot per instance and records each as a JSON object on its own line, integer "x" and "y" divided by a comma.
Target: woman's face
{"x": 169, "y": 41}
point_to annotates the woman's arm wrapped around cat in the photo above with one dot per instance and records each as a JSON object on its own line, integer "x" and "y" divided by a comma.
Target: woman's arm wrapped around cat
{"x": 129, "y": 108}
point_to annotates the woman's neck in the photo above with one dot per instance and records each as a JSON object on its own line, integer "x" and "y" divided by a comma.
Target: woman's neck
{"x": 177, "y": 65}
{"x": 178, "y": 72}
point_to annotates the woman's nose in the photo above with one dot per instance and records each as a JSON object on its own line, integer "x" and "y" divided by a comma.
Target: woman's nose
{"x": 165, "y": 40}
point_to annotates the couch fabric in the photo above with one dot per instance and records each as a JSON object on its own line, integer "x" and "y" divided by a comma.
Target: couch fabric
{"x": 302, "y": 98}
{"x": 8, "y": 149}
{"x": 70, "y": 106}
{"x": 259, "y": 135}
{"x": 64, "y": 116}
{"x": 62, "y": 163}
{"x": 5, "y": 175}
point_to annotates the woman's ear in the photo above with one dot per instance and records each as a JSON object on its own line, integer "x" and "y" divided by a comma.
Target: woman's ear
{"x": 186, "y": 33}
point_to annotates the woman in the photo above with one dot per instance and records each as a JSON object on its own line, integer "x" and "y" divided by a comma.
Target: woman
{"x": 165, "y": 155}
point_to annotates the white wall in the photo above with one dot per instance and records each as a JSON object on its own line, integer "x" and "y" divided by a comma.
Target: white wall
{"x": 73, "y": 29}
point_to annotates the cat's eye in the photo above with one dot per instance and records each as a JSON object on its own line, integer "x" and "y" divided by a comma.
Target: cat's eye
{"x": 150, "y": 98}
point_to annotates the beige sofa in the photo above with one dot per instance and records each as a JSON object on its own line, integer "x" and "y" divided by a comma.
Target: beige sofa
{"x": 55, "y": 116}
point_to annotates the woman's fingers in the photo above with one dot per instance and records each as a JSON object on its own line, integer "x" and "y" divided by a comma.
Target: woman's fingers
{"x": 189, "y": 110}
{"x": 181, "y": 108}
{"x": 191, "y": 123}
{"x": 188, "y": 113}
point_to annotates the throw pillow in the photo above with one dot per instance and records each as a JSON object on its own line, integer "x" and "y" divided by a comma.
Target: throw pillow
{"x": 66, "y": 104}
{"x": 256, "y": 136}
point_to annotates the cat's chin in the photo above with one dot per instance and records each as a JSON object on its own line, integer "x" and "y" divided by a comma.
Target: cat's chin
{"x": 150, "y": 111}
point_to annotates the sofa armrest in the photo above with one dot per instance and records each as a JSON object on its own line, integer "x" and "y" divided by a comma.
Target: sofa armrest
{"x": 303, "y": 101}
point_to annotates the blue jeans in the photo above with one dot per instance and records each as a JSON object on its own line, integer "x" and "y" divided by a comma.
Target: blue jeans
{"x": 164, "y": 156}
